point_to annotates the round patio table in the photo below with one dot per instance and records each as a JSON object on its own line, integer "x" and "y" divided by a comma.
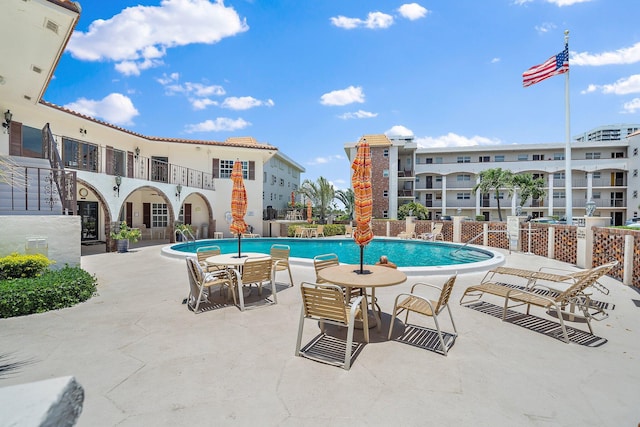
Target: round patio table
{"x": 347, "y": 275}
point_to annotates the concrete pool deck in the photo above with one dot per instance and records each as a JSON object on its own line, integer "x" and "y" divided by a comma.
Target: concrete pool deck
{"x": 144, "y": 359}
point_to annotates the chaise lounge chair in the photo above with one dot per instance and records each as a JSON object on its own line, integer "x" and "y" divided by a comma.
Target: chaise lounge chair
{"x": 537, "y": 294}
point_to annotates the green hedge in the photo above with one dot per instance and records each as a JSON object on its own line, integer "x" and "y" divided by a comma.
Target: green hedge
{"x": 51, "y": 290}
{"x": 15, "y": 266}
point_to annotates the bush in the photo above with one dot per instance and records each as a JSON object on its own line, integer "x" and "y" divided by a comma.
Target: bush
{"x": 329, "y": 229}
{"x": 15, "y": 266}
{"x": 52, "y": 290}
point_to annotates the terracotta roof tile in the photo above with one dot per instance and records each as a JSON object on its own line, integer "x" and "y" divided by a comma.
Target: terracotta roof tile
{"x": 379, "y": 140}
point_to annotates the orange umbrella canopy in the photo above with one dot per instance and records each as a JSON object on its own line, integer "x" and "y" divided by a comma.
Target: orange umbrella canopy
{"x": 293, "y": 199}
{"x": 361, "y": 183}
{"x": 309, "y": 211}
{"x": 238, "y": 200}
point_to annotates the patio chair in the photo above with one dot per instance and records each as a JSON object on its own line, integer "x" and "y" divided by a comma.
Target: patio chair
{"x": 422, "y": 305}
{"x": 280, "y": 258}
{"x": 348, "y": 231}
{"x": 318, "y": 231}
{"x": 200, "y": 283}
{"x": 298, "y": 231}
{"x": 330, "y": 260}
{"x": 435, "y": 234}
{"x": 410, "y": 232}
{"x": 325, "y": 303}
{"x": 205, "y": 252}
{"x": 551, "y": 299}
{"x": 255, "y": 271}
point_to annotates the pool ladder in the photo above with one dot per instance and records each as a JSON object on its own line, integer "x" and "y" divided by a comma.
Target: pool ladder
{"x": 186, "y": 235}
{"x": 478, "y": 235}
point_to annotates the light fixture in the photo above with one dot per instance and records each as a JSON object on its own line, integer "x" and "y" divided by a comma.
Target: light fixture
{"x": 116, "y": 187}
{"x": 137, "y": 152}
{"x": 7, "y": 119}
{"x": 178, "y": 191}
{"x": 590, "y": 207}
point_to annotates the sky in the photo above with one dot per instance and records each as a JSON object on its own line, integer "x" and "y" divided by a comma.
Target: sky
{"x": 310, "y": 76}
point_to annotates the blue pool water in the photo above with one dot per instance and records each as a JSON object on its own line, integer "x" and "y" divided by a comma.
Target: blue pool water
{"x": 404, "y": 253}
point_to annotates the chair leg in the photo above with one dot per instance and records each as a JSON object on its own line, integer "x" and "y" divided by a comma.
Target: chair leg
{"x": 444, "y": 347}
{"x": 452, "y": 322}
{"x": 273, "y": 287}
{"x": 195, "y": 310}
{"x": 564, "y": 329}
{"x": 300, "y": 326}
{"x": 290, "y": 276}
{"x": 347, "y": 352}
{"x": 393, "y": 319}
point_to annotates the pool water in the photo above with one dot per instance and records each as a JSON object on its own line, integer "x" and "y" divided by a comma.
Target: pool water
{"x": 404, "y": 253}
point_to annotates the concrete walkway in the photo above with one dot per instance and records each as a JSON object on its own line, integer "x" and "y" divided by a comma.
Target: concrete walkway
{"x": 144, "y": 359}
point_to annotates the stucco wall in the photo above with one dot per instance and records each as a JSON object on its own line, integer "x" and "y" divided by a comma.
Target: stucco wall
{"x": 60, "y": 233}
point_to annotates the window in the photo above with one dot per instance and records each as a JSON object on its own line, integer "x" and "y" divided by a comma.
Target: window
{"x": 558, "y": 194}
{"x": 385, "y": 214}
{"x": 429, "y": 160}
{"x": 558, "y": 175}
{"x": 558, "y": 156}
{"x": 281, "y": 182}
{"x": 116, "y": 165}
{"x": 385, "y": 152}
{"x": 385, "y": 193}
{"x": 273, "y": 179}
{"x": 464, "y": 159}
{"x": 226, "y": 167}
{"x": 385, "y": 173}
{"x": 438, "y": 179}
{"x": 463, "y": 196}
{"x": 499, "y": 158}
{"x": 438, "y": 160}
{"x": 483, "y": 159}
{"x": 463, "y": 178}
{"x": 80, "y": 155}
{"x": 523, "y": 157}
{"x": 635, "y": 151}
{"x": 617, "y": 155}
{"x": 590, "y": 156}
{"x": 499, "y": 196}
{"x": 595, "y": 175}
{"x": 538, "y": 157}
{"x": 595, "y": 195}
{"x": 159, "y": 215}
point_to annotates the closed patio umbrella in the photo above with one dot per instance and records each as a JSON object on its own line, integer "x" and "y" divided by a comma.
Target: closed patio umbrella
{"x": 361, "y": 183}
{"x": 309, "y": 211}
{"x": 238, "y": 202}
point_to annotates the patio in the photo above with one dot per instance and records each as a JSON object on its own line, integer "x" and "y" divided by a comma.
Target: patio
{"x": 144, "y": 359}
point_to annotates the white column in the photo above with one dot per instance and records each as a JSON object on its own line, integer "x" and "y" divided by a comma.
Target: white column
{"x": 589, "y": 185}
{"x": 550, "y": 208}
{"x": 513, "y": 201}
{"x": 444, "y": 194}
{"x": 478, "y": 197}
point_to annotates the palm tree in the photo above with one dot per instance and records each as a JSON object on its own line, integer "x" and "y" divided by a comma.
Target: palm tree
{"x": 529, "y": 187}
{"x": 321, "y": 194}
{"x": 492, "y": 180}
{"x": 348, "y": 199}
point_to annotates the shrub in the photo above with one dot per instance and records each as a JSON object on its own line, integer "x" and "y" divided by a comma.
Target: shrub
{"x": 15, "y": 266}
{"x": 52, "y": 290}
{"x": 329, "y": 229}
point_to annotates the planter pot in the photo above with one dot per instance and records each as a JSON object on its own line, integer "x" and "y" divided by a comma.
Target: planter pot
{"x": 123, "y": 245}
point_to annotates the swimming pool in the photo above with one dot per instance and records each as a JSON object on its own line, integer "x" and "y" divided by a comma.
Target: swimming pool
{"x": 411, "y": 256}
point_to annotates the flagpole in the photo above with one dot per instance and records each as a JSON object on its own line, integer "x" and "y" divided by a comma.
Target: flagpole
{"x": 567, "y": 149}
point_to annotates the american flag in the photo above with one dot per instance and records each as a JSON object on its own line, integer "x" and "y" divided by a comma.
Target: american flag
{"x": 557, "y": 64}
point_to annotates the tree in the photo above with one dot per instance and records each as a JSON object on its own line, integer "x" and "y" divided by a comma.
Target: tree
{"x": 528, "y": 187}
{"x": 493, "y": 180}
{"x": 321, "y": 194}
{"x": 413, "y": 209}
{"x": 348, "y": 199}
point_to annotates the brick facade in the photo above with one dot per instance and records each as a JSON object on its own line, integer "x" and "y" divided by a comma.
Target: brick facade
{"x": 379, "y": 183}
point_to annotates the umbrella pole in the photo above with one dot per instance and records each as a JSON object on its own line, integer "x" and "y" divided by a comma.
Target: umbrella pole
{"x": 361, "y": 259}
{"x": 239, "y": 235}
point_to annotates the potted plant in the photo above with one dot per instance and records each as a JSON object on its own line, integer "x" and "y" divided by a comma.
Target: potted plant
{"x": 124, "y": 236}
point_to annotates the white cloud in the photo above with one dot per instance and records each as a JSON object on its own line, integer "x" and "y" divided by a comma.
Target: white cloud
{"x": 626, "y": 55}
{"x": 545, "y": 27}
{"x": 197, "y": 93}
{"x": 137, "y": 37}
{"x": 495, "y": 60}
{"x": 375, "y": 20}
{"x": 217, "y": 125}
{"x": 632, "y": 106}
{"x": 454, "y": 140}
{"x": 360, "y": 114}
{"x": 325, "y": 160}
{"x": 114, "y": 108}
{"x": 245, "y": 102}
{"x": 561, "y": 3}
{"x": 623, "y": 86}
{"x": 412, "y": 11}
{"x": 343, "y": 96}
{"x": 201, "y": 103}
{"x": 399, "y": 130}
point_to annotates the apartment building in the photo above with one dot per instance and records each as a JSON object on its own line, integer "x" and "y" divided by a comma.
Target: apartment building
{"x": 604, "y": 170}
{"x": 59, "y": 162}
{"x": 281, "y": 177}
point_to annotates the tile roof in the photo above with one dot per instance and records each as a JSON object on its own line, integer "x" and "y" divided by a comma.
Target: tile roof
{"x": 379, "y": 140}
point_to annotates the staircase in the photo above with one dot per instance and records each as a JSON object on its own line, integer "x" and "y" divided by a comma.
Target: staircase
{"x": 28, "y": 187}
